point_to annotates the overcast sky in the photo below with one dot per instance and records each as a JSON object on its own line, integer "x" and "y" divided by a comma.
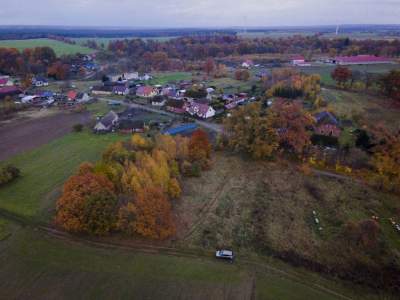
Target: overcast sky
{"x": 192, "y": 13}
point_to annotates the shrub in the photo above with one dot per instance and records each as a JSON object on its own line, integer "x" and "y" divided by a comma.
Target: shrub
{"x": 77, "y": 128}
{"x": 8, "y": 174}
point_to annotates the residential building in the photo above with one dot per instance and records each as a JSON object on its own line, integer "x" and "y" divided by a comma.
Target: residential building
{"x": 176, "y": 106}
{"x": 326, "y": 124}
{"x": 200, "y": 109}
{"x": 146, "y": 91}
{"x": 107, "y": 123}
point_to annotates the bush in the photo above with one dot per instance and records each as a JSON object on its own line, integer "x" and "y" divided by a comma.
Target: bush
{"x": 77, "y": 128}
{"x": 8, "y": 174}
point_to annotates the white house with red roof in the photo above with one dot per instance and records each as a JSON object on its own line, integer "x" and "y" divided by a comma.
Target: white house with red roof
{"x": 200, "y": 109}
{"x": 299, "y": 61}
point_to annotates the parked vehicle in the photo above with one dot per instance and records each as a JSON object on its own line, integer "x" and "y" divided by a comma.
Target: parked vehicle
{"x": 225, "y": 254}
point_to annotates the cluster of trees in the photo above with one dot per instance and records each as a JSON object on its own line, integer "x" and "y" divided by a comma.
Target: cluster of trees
{"x": 29, "y": 61}
{"x": 283, "y": 127}
{"x": 201, "y": 47}
{"x": 132, "y": 188}
{"x": 8, "y": 174}
{"x": 290, "y": 84}
{"x": 389, "y": 83}
{"x": 242, "y": 74}
{"x": 176, "y": 52}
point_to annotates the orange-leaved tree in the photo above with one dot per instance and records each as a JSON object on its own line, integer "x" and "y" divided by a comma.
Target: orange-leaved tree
{"x": 87, "y": 200}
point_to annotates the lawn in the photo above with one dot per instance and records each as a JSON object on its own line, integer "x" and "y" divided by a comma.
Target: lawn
{"x": 169, "y": 77}
{"x": 46, "y": 168}
{"x": 325, "y": 70}
{"x": 60, "y": 48}
{"x": 231, "y": 85}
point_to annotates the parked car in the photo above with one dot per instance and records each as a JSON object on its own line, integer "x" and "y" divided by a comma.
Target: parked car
{"x": 225, "y": 254}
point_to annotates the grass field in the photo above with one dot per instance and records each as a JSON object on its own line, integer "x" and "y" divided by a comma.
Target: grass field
{"x": 31, "y": 262}
{"x": 325, "y": 70}
{"x": 285, "y": 198}
{"x": 169, "y": 77}
{"x": 46, "y": 168}
{"x": 372, "y": 109}
{"x": 60, "y": 48}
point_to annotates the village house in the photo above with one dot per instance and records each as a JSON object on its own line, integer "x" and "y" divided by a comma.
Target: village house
{"x": 120, "y": 90}
{"x": 39, "y": 81}
{"x": 168, "y": 91}
{"x": 299, "y": 61}
{"x": 145, "y": 77}
{"x": 71, "y": 95}
{"x": 176, "y": 106}
{"x": 130, "y": 126}
{"x": 146, "y": 91}
{"x": 83, "y": 98}
{"x": 200, "y": 109}
{"x": 326, "y": 124}
{"x": 247, "y": 64}
{"x": 5, "y": 81}
{"x": 158, "y": 101}
{"x": 107, "y": 123}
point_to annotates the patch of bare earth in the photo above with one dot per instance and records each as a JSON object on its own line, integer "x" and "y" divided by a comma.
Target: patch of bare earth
{"x": 35, "y": 129}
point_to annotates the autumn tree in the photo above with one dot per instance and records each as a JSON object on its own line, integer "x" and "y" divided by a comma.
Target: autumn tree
{"x": 390, "y": 85}
{"x": 87, "y": 204}
{"x": 341, "y": 75}
{"x": 199, "y": 148}
{"x": 209, "y": 66}
{"x": 250, "y": 130}
{"x": 292, "y": 123}
{"x": 242, "y": 74}
{"x": 58, "y": 70}
{"x": 149, "y": 214}
{"x": 386, "y": 158}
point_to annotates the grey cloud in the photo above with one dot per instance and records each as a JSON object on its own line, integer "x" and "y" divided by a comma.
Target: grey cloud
{"x": 178, "y": 13}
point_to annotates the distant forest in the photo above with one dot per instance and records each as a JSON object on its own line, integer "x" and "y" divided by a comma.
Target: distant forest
{"x": 34, "y": 32}
{"x": 31, "y": 32}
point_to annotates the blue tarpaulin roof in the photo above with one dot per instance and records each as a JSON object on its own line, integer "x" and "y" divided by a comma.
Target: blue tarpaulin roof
{"x": 181, "y": 129}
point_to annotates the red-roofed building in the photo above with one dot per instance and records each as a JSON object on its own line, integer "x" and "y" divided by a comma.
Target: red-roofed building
{"x": 72, "y": 95}
{"x": 361, "y": 60}
{"x": 9, "y": 91}
{"x": 146, "y": 91}
{"x": 299, "y": 60}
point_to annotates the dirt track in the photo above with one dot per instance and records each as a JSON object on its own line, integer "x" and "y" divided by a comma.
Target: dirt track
{"x": 23, "y": 135}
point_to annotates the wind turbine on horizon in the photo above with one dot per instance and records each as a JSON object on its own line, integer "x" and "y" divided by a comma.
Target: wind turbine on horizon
{"x": 337, "y": 29}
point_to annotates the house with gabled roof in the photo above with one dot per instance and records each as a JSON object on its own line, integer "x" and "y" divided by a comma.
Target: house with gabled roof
{"x": 39, "y": 81}
{"x": 327, "y": 124}
{"x": 107, "y": 122}
{"x": 120, "y": 90}
{"x": 176, "y": 106}
{"x": 201, "y": 109}
{"x": 146, "y": 91}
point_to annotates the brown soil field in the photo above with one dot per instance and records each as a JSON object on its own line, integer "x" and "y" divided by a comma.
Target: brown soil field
{"x": 21, "y": 135}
